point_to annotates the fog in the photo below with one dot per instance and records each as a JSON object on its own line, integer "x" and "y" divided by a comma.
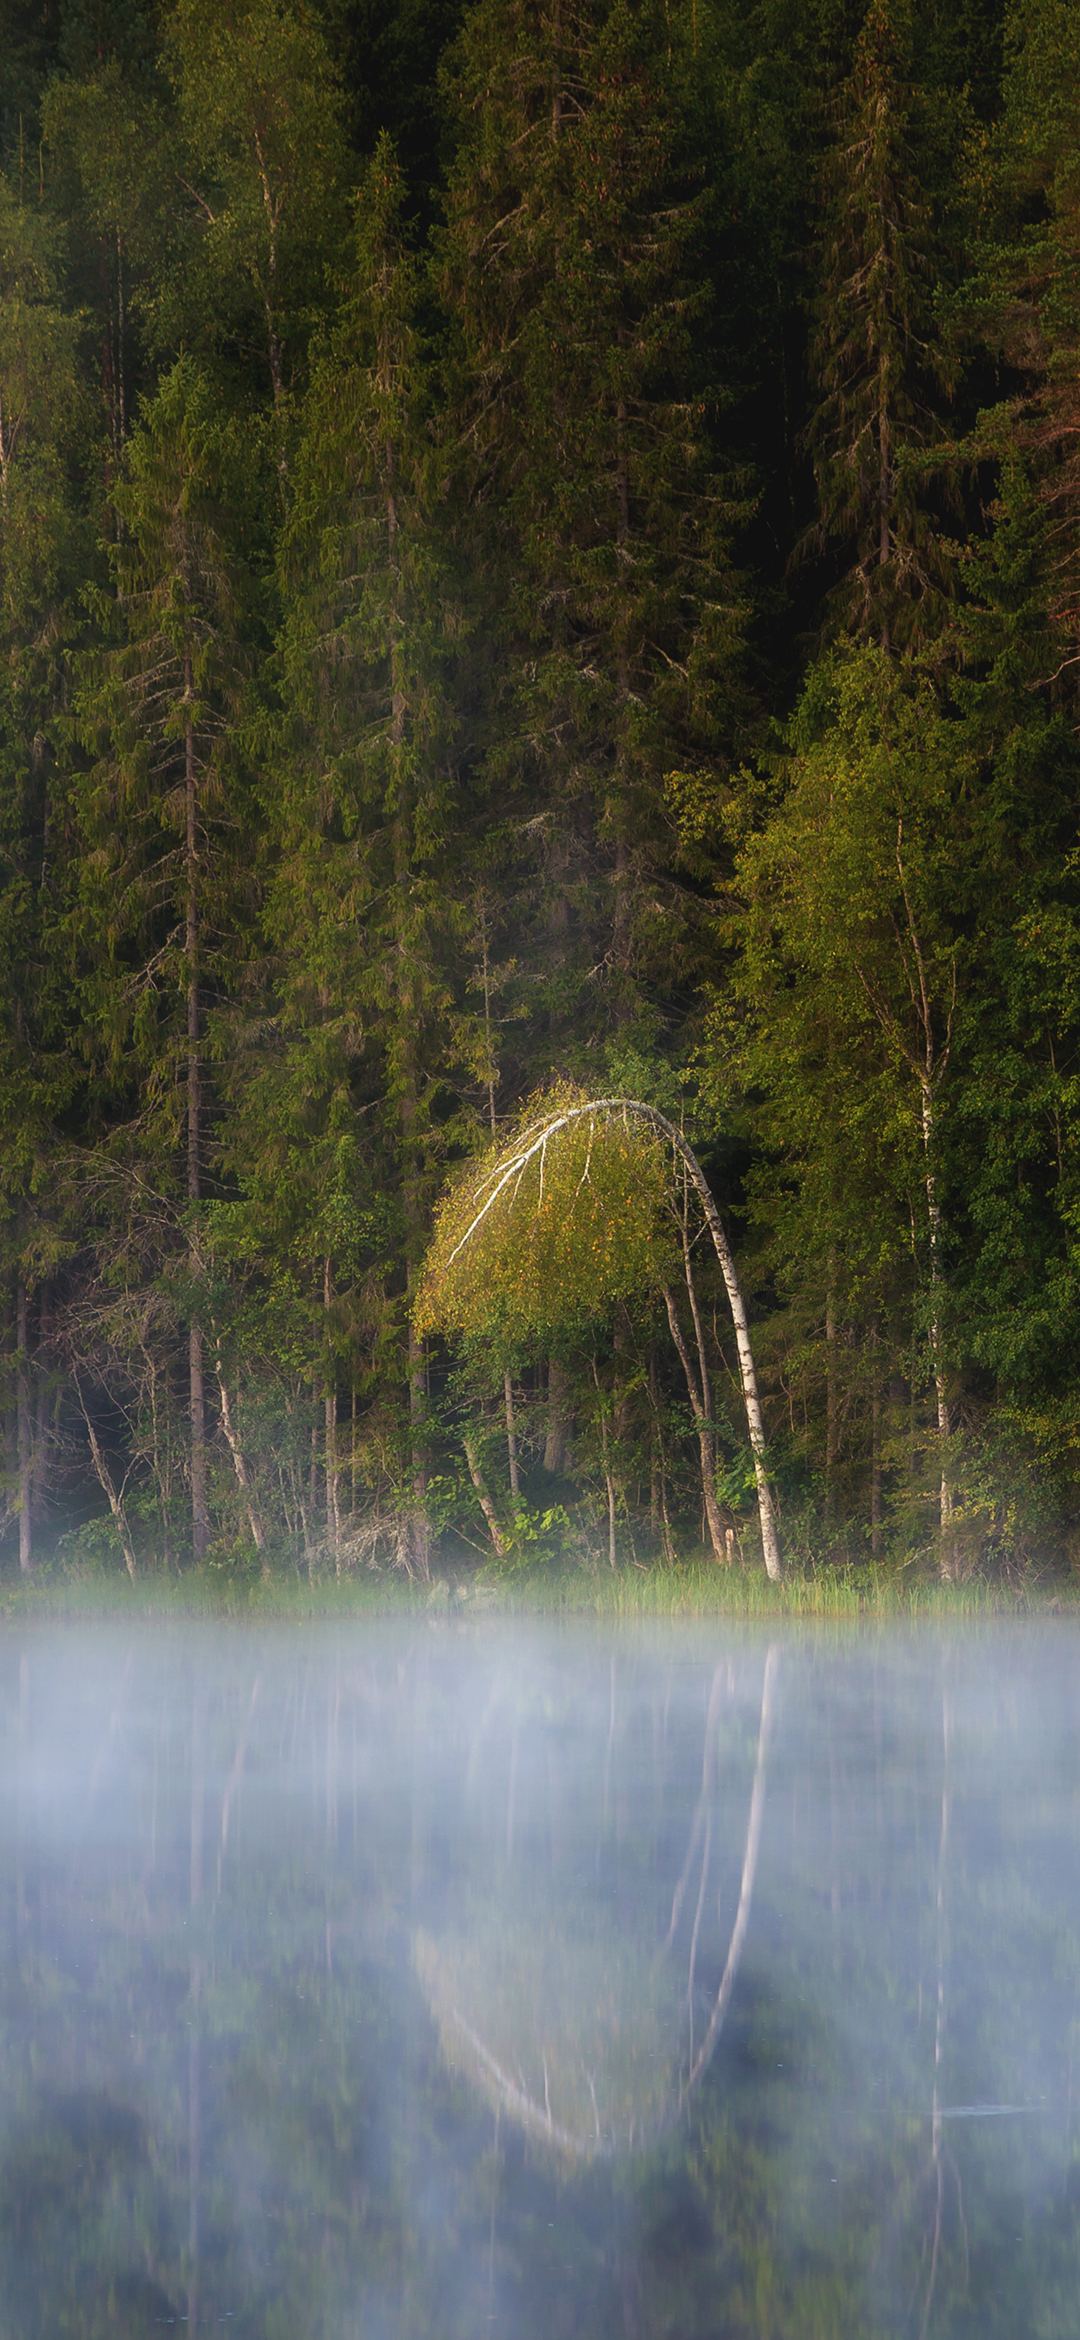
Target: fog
{"x": 466, "y": 1978}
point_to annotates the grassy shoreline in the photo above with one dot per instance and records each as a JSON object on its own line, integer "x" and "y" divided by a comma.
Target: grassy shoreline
{"x": 688, "y": 1590}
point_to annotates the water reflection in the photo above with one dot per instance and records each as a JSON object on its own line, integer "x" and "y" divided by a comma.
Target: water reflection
{"x": 459, "y": 1980}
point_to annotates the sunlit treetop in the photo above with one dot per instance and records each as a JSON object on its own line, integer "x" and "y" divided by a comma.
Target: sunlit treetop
{"x": 552, "y": 1224}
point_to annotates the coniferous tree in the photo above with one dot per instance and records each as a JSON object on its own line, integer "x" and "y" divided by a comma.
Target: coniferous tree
{"x": 361, "y": 910}
{"x": 158, "y": 705}
{"x": 877, "y": 361}
{"x": 42, "y": 420}
{"x": 570, "y": 265}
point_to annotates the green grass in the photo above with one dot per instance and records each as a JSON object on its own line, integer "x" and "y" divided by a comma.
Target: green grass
{"x": 690, "y": 1589}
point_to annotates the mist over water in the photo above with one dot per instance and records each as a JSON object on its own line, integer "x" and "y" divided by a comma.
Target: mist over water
{"x": 468, "y": 1978}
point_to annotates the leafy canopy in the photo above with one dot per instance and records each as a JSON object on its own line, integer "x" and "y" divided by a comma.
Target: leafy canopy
{"x": 563, "y": 1216}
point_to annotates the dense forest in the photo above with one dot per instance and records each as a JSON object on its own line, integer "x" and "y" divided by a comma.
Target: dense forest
{"x": 539, "y": 555}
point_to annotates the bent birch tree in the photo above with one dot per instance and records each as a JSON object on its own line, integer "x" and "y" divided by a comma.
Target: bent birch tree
{"x": 520, "y": 1190}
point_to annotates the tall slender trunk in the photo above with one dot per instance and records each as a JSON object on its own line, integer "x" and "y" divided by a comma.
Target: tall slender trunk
{"x": 121, "y": 374}
{"x": 232, "y": 1440}
{"x": 621, "y": 940}
{"x": 492, "y": 1077}
{"x": 609, "y": 1482}
{"x": 25, "y": 1431}
{"x": 875, "y": 1443}
{"x": 928, "y": 1061}
{"x": 420, "y": 1528}
{"x": 114, "y": 1495}
{"x": 45, "y": 1405}
{"x": 333, "y": 1511}
{"x": 706, "y": 1436}
{"x": 832, "y": 1406}
{"x": 200, "y": 1518}
{"x": 885, "y": 505}
{"x": 658, "y": 1511}
{"x": 511, "y": 1435}
{"x": 944, "y": 1420}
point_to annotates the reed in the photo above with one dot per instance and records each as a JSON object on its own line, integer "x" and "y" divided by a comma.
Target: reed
{"x": 690, "y": 1588}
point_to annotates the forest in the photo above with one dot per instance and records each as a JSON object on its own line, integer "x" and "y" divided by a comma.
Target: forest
{"x": 539, "y": 563}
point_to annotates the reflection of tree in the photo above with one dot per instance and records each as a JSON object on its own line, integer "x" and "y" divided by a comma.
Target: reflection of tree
{"x": 345, "y": 2175}
{"x": 575, "y": 2033}
{"x": 943, "y": 2160}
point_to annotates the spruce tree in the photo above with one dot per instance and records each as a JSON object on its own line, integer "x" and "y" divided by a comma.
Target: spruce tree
{"x": 43, "y": 428}
{"x": 362, "y": 910}
{"x": 570, "y": 265}
{"x": 877, "y": 359}
{"x": 158, "y": 705}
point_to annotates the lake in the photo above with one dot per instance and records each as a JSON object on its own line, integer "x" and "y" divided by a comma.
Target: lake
{"x": 460, "y": 1977}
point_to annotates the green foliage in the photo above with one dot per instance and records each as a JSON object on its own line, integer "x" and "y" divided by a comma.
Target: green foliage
{"x": 391, "y": 627}
{"x": 549, "y": 1227}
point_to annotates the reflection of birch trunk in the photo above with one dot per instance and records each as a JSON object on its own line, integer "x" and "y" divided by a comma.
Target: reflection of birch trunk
{"x": 194, "y": 2044}
{"x": 943, "y": 2162}
{"x": 235, "y": 1775}
{"x": 701, "y": 2058}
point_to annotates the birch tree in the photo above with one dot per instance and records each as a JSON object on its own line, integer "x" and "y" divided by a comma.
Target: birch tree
{"x": 853, "y": 952}
{"x": 561, "y": 1218}
{"x": 262, "y": 177}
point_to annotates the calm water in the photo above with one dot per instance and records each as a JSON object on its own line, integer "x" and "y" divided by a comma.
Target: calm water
{"x": 465, "y": 1980}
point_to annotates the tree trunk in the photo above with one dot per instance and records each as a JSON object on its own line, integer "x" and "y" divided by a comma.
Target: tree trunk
{"x": 511, "y": 1436}
{"x": 200, "y": 1518}
{"x": 832, "y": 1408}
{"x": 472, "y": 1457}
{"x": 239, "y": 1465}
{"x": 25, "y": 1433}
{"x": 558, "y": 1385}
{"x": 333, "y": 1509}
{"x": 608, "y": 1479}
{"x": 114, "y": 1496}
{"x": 706, "y": 1435}
{"x": 944, "y": 1423}
{"x": 658, "y": 1511}
{"x": 44, "y": 1428}
{"x": 875, "y": 1445}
